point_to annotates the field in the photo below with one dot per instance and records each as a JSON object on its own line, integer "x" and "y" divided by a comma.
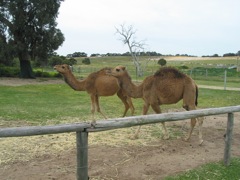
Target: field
{"x": 112, "y": 154}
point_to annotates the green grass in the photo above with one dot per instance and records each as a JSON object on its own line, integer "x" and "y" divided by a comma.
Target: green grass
{"x": 41, "y": 104}
{"x": 150, "y": 66}
{"x": 218, "y": 83}
{"x": 53, "y": 104}
{"x": 218, "y": 98}
{"x": 56, "y": 103}
{"x": 215, "y": 171}
{"x": 35, "y": 103}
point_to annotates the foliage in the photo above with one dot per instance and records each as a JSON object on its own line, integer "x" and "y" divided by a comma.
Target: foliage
{"x": 229, "y": 54}
{"x": 86, "y": 61}
{"x": 6, "y": 71}
{"x": 162, "y": 62}
{"x": 183, "y": 67}
{"x": 30, "y": 26}
{"x": 40, "y": 73}
{"x": 79, "y": 54}
{"x": 6, "y": 50}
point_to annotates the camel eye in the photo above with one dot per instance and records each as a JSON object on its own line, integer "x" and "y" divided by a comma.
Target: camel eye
{"x": 63, "y": 67}
{"x": 117, "y": 70}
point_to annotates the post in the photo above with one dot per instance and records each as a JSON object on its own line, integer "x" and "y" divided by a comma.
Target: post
{"x": 225, "y": 79}
{"x": 228, "y": 139}
{"x": 82, "y": 155}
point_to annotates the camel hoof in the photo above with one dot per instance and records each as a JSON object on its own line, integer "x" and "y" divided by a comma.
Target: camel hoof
{"x": 93, "y": 123}
{"x": 200, "y": 142}
{"x": 134, "y": 137}
{"x": 166, "y": 137}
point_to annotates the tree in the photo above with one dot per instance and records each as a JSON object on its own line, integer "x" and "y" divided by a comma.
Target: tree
{"x": 79, "y": 54}
{"x": 229, "y": 54}
{"x": 31, "y": 27}
{"x": 128, "y": 37}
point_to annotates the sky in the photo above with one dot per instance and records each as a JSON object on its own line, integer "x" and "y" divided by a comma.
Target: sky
{"x": 193, "y": 27}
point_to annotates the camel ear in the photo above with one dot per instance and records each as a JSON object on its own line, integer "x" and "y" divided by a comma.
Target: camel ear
{"x": 123, "y": 68}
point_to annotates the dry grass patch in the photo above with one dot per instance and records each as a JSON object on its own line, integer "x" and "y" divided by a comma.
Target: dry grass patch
{"x": 27, "y": 148}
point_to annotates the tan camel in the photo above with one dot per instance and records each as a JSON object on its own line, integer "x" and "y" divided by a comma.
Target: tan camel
{"x": 96, "y": 84}
{"x": 166, "y": 86}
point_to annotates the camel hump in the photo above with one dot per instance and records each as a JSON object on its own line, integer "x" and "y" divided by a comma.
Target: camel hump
{"x": 167, "y": 72}
{"x": 100, "y": 77}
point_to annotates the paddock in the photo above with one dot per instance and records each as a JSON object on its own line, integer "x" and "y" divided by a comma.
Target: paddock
{"x": 83, "y": 129}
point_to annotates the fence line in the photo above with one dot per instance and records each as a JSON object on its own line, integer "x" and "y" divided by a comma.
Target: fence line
{"x": 82, "y": 130}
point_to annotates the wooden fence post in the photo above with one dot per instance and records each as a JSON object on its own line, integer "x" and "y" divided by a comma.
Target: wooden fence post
{"x": 82, "y": 155}
{"x": 225, "y": 79}
{"x": 228, "y": 140}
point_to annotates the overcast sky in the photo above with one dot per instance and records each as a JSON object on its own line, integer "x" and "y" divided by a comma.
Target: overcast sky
{"x": 193, "y": 27}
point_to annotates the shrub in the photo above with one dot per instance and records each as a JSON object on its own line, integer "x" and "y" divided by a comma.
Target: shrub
{"x": 39, "y": 73}
{"x": 162, "y": 62}
{"x": 6, "y": 71}
{"x": 86, "y": 61}
{"x": 183, "y": 67}
{"x": 55, "y": 60}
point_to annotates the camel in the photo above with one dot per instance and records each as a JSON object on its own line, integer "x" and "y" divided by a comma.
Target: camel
{"x": 96, "y": 84}
{"x": 166, "y": 86}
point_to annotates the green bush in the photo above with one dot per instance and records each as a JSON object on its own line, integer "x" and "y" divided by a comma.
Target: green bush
{"x": 55, "y": 60}
{"x": 39, "y": 73}
{"x": 86, "y": 61}
{"x": 162, "y": 62}
{"x": 6, "y": 71}
{"x": 183, "y": 67}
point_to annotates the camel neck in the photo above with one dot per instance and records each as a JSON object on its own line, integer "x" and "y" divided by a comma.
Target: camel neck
{"x": 75, "y": 84}
{"x": 132, "y": 90}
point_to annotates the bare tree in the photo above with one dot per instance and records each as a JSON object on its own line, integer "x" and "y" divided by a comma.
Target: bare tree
{"x": 127, "y": 36}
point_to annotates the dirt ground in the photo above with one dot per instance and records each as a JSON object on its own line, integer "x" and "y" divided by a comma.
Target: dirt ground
{"x": 117, "y": 156}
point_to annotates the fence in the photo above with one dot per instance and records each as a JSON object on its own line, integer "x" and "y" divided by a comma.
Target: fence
{"x": 218, "y": 74}
{"x": 82, "y": 130}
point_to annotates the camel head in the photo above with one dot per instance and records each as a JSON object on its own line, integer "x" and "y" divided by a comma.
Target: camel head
{"x": 118, "y": 71}
{"x": 62, "y": 69}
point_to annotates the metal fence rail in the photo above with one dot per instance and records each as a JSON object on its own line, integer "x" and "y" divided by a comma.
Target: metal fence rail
{"x": 82, "y": 130}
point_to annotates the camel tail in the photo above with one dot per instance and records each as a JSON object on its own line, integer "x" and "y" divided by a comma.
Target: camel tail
{"x": 196, "y": 100}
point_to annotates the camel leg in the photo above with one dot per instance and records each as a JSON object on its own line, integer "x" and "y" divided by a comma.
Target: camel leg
{"x": 145, "y": 110}
{"x": 193, "y": 123}
{"x": 124, "y": 100}
{"x": 129, "y": 100}
{"x": 157, "y": 110}
{"x": 98, "y": 106}
{"x": 200, "y": 122}
{"x": 93, "y": 108}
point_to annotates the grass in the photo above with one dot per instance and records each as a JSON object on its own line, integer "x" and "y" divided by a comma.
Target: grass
{"x": 57, "y": 103}
{"x": 54, "y": 104}
{"x": 218, "y": 83}
{"x": 216, "y": 171}
{"x": 150, "y": 66}
{"x": 42, "y": 104}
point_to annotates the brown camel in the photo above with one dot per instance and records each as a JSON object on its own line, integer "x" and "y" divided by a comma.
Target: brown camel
{"x": 96, "y": 84}
{"x": 166, "y": 86}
